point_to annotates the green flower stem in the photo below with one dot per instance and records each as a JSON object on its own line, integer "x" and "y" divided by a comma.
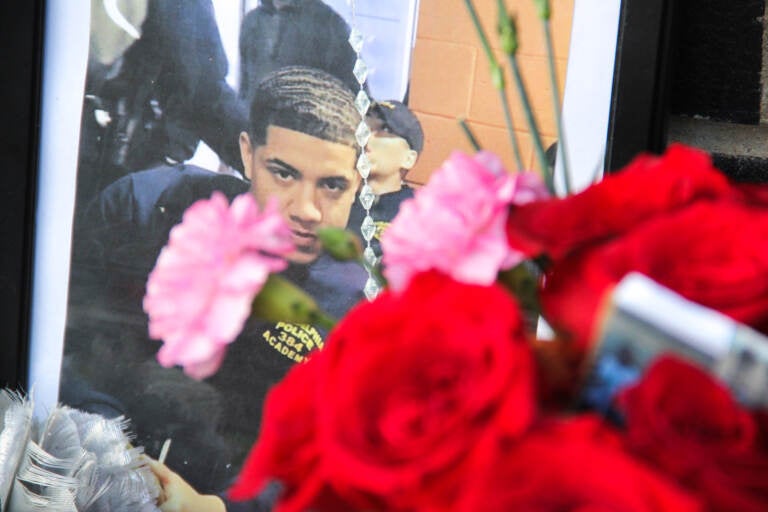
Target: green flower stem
{"x": 511, "y": 130}
{"x": 508, "y": 37}
{"x": 481, "y": 34}
{"x": 470, "y": 136}
{"x": 556, "y": 103}
{"x": 523, "y": 281}
{"x": 497, "y": 77}
{"x": 537, "y": 144}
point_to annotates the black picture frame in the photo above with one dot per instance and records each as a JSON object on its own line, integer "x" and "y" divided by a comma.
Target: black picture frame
{"x": 642, "y": 80}
{"x": 21, "y": 29}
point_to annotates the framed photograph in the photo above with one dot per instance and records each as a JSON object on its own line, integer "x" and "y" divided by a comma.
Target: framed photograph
{"x": 75, "y": 326}
{"x": 147, "y": 113}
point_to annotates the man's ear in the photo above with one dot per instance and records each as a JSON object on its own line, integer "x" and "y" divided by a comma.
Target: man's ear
{"x": 409, "y": 160}
{"x": 246, "y": 154}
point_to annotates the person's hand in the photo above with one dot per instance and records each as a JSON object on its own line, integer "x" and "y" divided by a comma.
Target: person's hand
{"x": 178, "y": 496}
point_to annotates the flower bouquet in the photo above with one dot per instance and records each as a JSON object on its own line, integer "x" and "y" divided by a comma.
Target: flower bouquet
{"x": 437, "y": 395}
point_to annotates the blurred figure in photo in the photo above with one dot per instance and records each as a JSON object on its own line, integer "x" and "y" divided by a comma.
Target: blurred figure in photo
{"x": 154, "y": 101}
{"x": 281, "y": 33}
{"x": 396, "y": 141}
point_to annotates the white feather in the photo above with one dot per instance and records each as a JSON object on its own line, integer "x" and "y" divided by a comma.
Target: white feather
{"x": 79, "y": 462}
{"x": 16, "y": 416}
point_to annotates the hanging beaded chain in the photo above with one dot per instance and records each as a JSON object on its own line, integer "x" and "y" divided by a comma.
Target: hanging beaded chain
{"x": 363, "y": 133}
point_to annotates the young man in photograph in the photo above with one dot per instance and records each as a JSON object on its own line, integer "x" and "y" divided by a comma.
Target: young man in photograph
{"x": 300, "y": 147}
{"x": 393, "y": 149}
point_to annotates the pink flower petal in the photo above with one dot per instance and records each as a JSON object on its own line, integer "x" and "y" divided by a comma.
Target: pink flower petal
{"x": 200, "y": 292}
{"x": 206, "y": 368}
{"x": 455, "y": 223}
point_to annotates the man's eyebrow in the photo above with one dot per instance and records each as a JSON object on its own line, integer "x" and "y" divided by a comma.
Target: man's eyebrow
{"x": 342, "y": 180}
{"x": 291, "y": 168}
{"x": 287, "y": 166}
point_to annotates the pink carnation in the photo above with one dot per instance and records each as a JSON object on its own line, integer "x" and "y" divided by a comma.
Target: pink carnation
{"x": 455, "y": 223}
{"x": 200, "y": 292}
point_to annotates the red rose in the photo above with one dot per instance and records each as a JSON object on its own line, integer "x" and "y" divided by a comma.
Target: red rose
{"x": 408, "y": 394}
{"x": 416, "y": 387}
{"x": 713, "y": 253}
{"x": 679, "y": 417}
{"x": 577, "y": 465}
{"x": 753, "y": 193}
{"x": 735, "y": 483}
{"x": 688, "y": 424}
{"x": 761, "y": 420}
{"x": 647, "y": 187}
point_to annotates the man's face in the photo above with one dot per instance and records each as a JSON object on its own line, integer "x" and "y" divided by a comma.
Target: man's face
{"x": 313, "y": 179}
{"x": 387, "y": 152}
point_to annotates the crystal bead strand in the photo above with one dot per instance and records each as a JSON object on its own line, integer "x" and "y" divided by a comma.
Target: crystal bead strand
{"x": 363, "y": 133}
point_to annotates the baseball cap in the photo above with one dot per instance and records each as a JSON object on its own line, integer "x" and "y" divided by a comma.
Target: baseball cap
{"x": 400, "y": 121}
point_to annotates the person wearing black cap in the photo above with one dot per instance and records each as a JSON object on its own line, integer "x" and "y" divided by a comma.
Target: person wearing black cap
{"x": 393, "y": 149}
{"x": 395, "y": 143}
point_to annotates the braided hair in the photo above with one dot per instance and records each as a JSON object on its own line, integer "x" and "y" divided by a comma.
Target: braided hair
{"x": 306, "y": 100}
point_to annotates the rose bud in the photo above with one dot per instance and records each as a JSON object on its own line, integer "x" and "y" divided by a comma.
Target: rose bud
{"x": 543, "y": 9}
{"x": 507, "y": 31}
{"x": 341, "y": 244}
{"x": 282, "y": 301}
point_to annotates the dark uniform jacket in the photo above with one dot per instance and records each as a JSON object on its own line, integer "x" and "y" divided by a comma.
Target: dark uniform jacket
{"x": 383, "y": 210}
{"x": 109, "y": 362}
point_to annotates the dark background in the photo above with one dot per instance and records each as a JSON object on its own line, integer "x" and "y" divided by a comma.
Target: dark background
{"x": 699, "y": 59}
{"x": 641, "y": 82}
{"x": 21, "y": 29}
{"x": 717, "y": 61}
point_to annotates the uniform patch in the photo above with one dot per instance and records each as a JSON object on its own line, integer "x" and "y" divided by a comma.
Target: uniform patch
{"x": 294, "y": 341}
